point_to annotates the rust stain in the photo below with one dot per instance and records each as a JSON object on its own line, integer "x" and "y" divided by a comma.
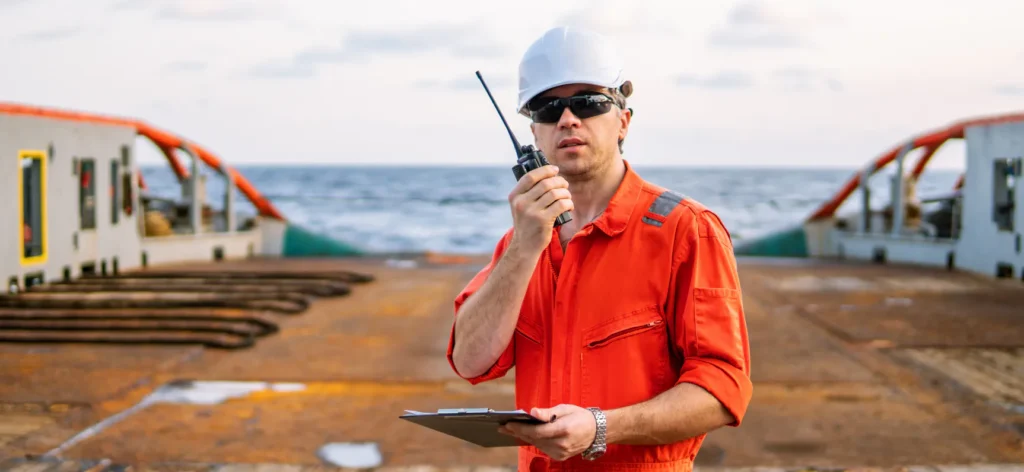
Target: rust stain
{"x": 364, "y": 389}
{"x": 439, "y": 258}
{"x": 29, "y": 365}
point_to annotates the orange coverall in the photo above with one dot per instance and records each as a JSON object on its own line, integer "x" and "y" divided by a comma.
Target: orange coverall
{"x": 645, "y": 297}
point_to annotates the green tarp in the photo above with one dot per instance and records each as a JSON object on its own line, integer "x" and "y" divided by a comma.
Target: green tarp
{"x": 300, "y": 242}
{"x": 786, "y": 243}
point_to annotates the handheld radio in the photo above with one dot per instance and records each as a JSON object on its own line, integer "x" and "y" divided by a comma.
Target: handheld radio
{"x": 528, "y": 157}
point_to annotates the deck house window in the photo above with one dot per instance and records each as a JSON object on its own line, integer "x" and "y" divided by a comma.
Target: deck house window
{"x": 126, "y": 182}
{"x": 1005, "y": 173}
{"x": 87, "y": 194}
{"x": 32, "y": 193}
{"x": 115, "y": 193}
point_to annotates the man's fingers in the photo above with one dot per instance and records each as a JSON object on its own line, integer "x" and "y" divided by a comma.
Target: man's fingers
{"x": 542, "y": 413}
{"x": 538, "y": 432}
{"x": 556, "y": 411}
{"x": 543, "y": 431}
{"x": 551, "y": 432}
{"x": 548, "y": 198}
{"x": 557, "y": 208}
{"x": 544, "y": 186}
{"x": 518, "y": 429}
{"x": 532, "y": 177}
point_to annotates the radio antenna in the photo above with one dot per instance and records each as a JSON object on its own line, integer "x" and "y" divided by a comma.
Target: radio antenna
{"x": 519, "y": 151}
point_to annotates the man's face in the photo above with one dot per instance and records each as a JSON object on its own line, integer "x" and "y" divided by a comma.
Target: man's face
{"x": 580, "y": 146}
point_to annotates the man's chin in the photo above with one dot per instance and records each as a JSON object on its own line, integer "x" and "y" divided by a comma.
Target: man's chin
{"x": 569, "y": 155}
{"x": 572, "y": 165}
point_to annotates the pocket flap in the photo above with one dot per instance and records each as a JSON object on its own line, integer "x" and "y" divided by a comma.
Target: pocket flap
{"x": 628, "y": 323}
{"x": 528, "y": 330}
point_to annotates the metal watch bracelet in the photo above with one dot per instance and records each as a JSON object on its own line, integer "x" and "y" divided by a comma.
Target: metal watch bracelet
{"x": 597, "y": 448}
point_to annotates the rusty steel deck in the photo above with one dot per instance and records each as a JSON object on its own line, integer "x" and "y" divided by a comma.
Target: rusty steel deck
{"x": 854, "y": 366}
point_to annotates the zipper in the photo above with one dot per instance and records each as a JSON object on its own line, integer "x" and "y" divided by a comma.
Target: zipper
{"x": 624, "y": 332}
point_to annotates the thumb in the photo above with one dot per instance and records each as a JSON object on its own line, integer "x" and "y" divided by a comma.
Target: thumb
{"x": 547, "y": 413}
{"x": 543, "y": 414}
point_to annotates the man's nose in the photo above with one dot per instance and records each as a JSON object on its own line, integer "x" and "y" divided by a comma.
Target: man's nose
{"x": 568, "y": 119}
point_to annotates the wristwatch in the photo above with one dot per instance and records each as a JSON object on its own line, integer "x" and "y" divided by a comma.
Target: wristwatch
{"x": 598, "y": 447}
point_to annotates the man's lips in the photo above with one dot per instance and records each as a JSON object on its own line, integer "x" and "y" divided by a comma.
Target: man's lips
{"x": 567, "y": 142}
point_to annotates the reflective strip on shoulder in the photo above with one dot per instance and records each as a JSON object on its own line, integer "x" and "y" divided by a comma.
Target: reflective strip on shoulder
{"x": 662, "y": 206}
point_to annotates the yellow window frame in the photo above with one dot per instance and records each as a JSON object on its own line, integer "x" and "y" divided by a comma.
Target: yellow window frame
{"x": 41, "y": 156}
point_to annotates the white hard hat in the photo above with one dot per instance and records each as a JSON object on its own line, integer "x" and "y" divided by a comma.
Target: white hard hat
{"x": 568, "y": 55}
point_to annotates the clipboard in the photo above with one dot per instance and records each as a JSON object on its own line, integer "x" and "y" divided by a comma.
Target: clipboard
{"x": 475, "y": 425}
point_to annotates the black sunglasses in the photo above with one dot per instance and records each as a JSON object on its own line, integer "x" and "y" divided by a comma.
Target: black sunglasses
{"x": 550, "y": 109}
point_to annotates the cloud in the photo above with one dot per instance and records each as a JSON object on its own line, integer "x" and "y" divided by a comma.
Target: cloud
{"x": 206, "y": 12}
{"x": 1009, "y": 89}
{"x": 192, "y": 11}
{"x": 797, "y": 78}
{"x": 743, "y": 39}
{"x": 54, "y": 34}
{"x": 295, "y": 70}
{"x": 751, "y": 13}
{"x": 462, "y": 41}
{"x": 131, "y": 4}
{"x": 754, "y": 24}
{"x": 724, "y": 80}
{"x": 607, "y": 16}
{"x": 470, "y": 82}
{"x": 185, "y": 66}
{"x": 794, "y": 78}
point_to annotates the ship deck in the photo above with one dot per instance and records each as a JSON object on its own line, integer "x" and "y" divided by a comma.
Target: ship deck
{"x": 855, "y": 365}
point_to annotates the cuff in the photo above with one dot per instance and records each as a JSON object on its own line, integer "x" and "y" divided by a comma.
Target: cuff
{"x": 730, "y": 385}
{"x": 498, "y": 369}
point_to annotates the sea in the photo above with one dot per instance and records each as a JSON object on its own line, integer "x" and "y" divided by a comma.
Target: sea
{"x": 388, "y": 209}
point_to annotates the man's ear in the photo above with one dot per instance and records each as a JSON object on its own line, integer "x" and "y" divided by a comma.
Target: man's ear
{"x": 624, "y": 119}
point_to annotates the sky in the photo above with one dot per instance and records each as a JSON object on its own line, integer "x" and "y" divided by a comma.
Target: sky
{"x": 752, "y": 83}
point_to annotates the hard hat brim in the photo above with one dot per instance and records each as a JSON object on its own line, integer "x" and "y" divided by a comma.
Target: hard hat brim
{"x": 598, "y": 83}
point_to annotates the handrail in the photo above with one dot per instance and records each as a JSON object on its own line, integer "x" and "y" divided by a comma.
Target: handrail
{"x": 164, "y": 140}
{"x": 931, "y": 142}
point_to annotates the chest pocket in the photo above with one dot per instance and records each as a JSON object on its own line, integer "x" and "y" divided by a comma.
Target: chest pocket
{"x": 626, "y": 360}
{"x": 630, "y": 358}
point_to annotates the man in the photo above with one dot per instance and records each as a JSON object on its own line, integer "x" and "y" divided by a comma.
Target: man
{"x": 625, "y": 325}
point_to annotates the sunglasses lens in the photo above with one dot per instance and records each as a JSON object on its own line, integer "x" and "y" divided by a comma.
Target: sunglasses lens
{"x": 549, "y": 113}
{"x": 583, "y": 107}
{"x": 586, "y": 107}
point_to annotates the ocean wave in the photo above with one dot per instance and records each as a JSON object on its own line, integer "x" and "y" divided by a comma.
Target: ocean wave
{"x": 466, "y": 210}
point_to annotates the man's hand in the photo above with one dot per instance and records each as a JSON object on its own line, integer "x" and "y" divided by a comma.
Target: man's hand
{"x": 572, "y": 432}
{"x": 536, "y": 200}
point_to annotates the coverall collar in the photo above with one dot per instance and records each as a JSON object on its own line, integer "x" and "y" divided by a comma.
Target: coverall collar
{"x": 616, "y": 215}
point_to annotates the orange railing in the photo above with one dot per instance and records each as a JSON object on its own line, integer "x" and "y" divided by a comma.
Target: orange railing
{"x": 930, "y": 142}
{"x": 166, "y": 142}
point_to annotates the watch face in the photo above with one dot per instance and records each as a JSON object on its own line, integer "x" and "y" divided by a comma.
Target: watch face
{"x": 593, "y": 453}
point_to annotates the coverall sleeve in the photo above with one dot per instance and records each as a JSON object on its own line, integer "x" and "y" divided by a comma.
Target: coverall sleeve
{"x": 710, "y": 329}
{"x": 507, "y": 358}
